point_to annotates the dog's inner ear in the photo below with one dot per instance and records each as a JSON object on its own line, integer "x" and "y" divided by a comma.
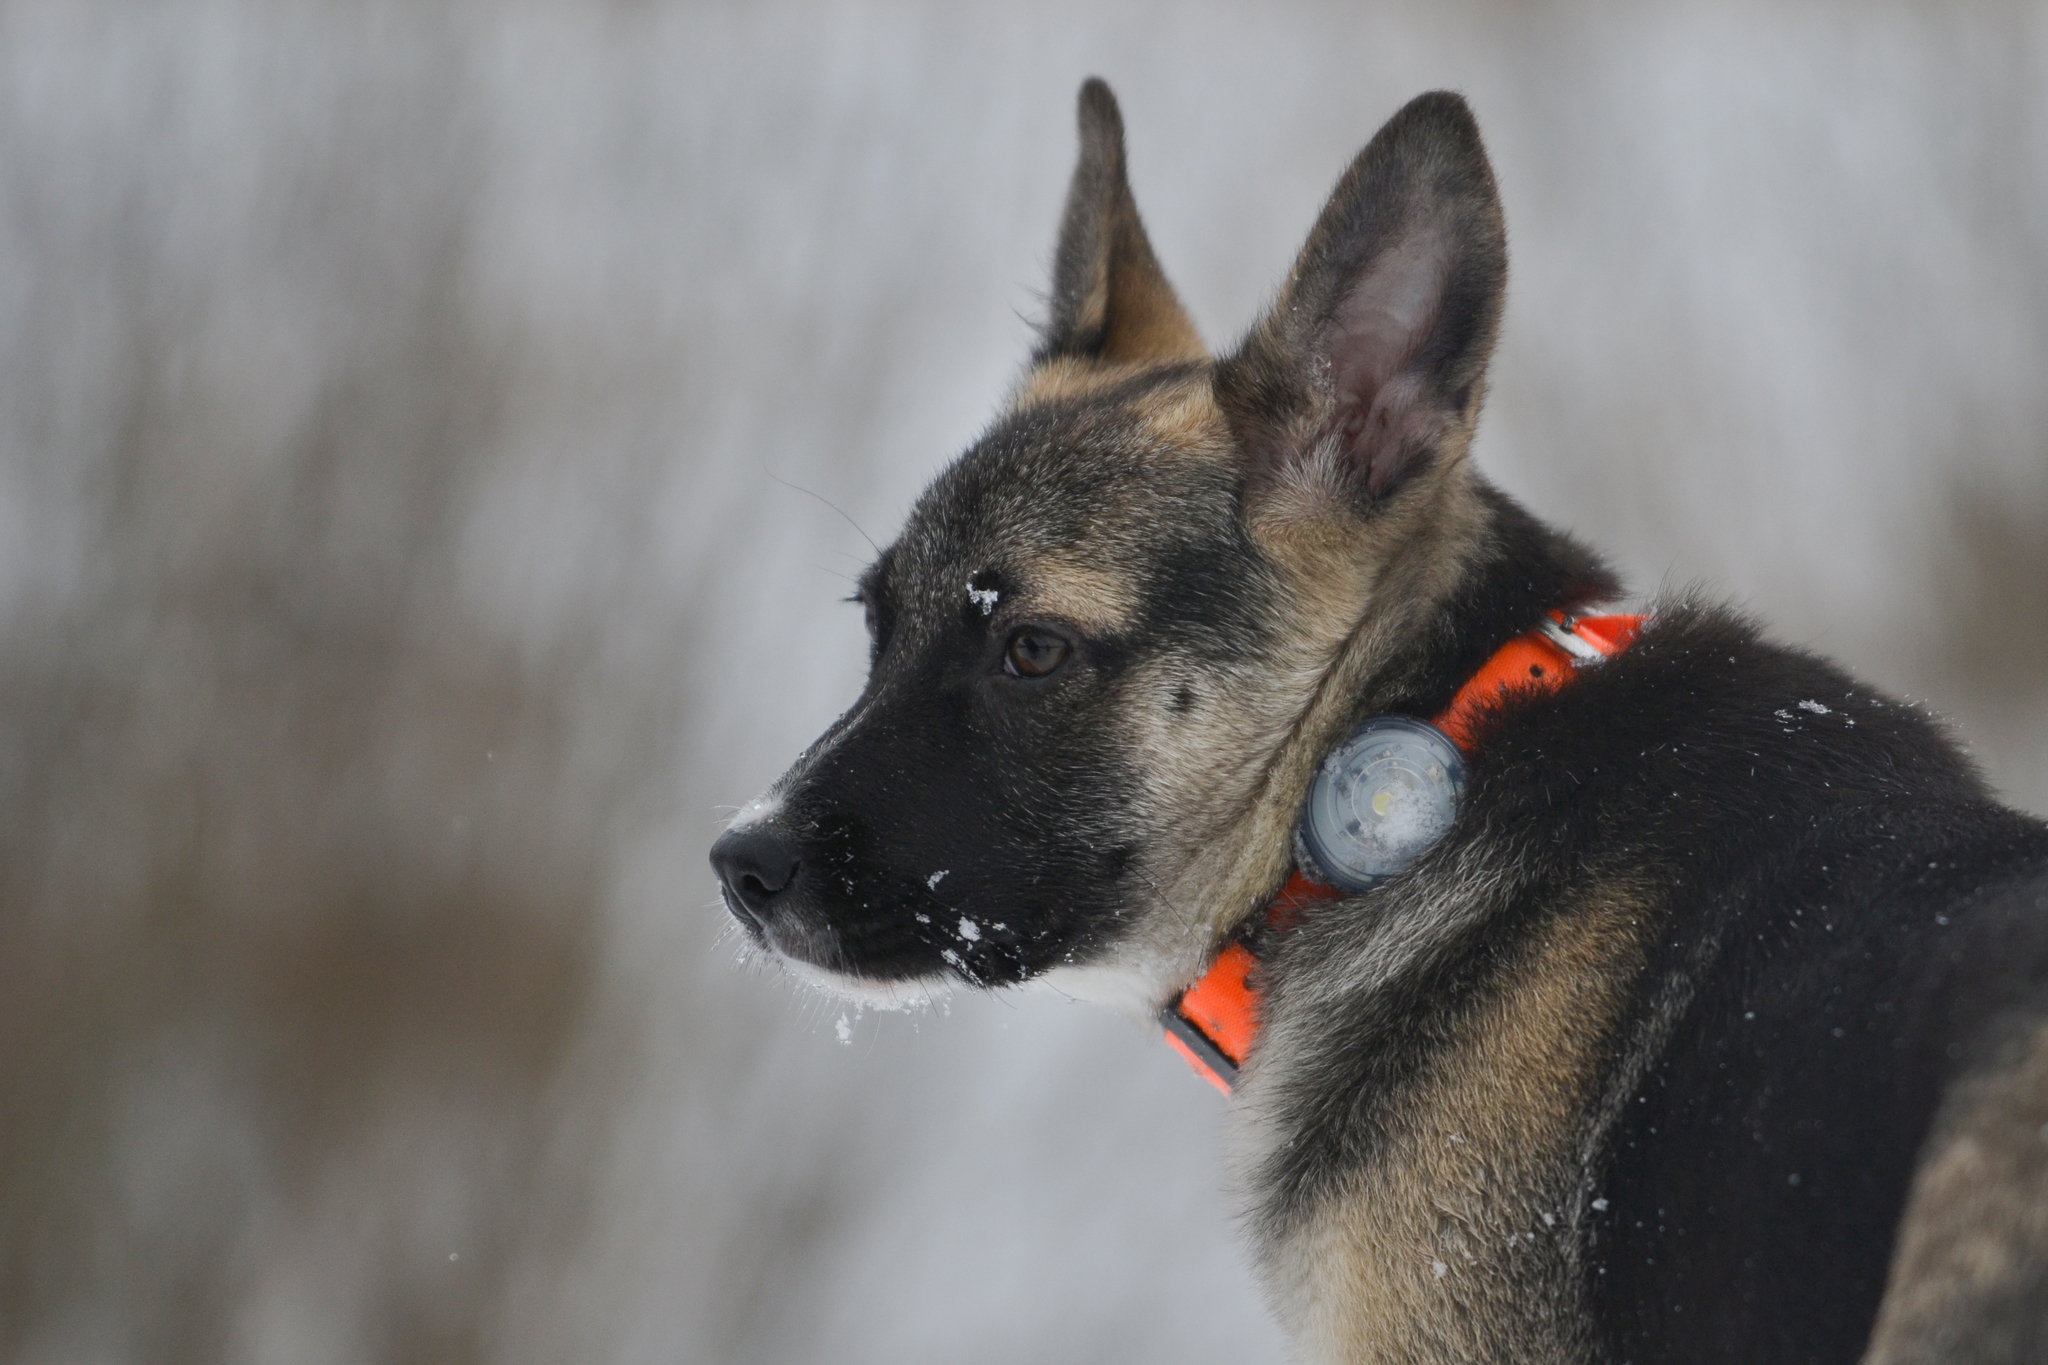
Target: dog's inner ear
{"x": 1374, "y": 336}
{"x": 1373, "y": 359}
{"x": 1110, "y": 299}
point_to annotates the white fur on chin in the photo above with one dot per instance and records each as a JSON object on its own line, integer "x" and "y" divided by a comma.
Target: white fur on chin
{"x": 916, "y": 994}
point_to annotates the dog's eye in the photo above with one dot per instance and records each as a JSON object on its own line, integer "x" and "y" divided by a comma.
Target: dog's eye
{"x": 1034, "y": 653}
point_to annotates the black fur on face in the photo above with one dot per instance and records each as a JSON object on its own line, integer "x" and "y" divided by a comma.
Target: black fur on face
{"x": 966, "y": 818}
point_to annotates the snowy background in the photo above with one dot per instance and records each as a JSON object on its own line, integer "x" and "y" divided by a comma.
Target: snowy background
{"x": 409, "y": 422}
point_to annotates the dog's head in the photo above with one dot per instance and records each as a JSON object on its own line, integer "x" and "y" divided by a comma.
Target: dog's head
{"x": 1116, "y": 635}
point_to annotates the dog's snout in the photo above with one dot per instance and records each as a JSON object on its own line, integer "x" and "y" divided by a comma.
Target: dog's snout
{"x": 755, "y": 865}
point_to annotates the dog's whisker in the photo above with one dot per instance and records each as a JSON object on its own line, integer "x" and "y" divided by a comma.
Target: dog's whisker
{"x": 834, "y": 506}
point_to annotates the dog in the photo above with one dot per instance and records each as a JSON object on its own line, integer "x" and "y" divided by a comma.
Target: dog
{"x": 1713, "y": 1023}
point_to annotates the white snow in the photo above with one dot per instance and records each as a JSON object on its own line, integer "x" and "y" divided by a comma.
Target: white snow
{"x": 969, "y": 930}
{"x": 985, "y": 598}
{"x": 936, "y": 877}
{"x": 844, "y": 1028}
{"x": 1439, "y": 1269}
{"x": 1814, "y": 707}
{"x": 1600, "y": 1206}
{"x": 757, "y": 810}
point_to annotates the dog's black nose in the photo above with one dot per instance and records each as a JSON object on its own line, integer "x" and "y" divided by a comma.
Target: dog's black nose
{"x": 756, "y": 865}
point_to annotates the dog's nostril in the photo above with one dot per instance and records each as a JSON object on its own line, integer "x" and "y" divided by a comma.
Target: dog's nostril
{"x": 755, "y": 865}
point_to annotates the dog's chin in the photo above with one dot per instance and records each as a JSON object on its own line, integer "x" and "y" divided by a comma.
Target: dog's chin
{"x": 1131, "y": 992}
{"x": 800, "y": 950}
{"x": 910, "y": 994}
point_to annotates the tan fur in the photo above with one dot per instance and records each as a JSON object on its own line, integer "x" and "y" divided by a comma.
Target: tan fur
{"x": 1440, "y": 1250}
{"x": 1976, "y": 1226}
{"x": 1185, "y": 419}
{"x": 1146, "y": 321}
{"x": 1234, "y": 772}
{"x": 1099, "y": 594}
{"x": 1099, "y": 601}
{"x": 1064, "y": 379}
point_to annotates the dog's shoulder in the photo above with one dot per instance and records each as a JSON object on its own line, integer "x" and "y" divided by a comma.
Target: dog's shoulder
{"x": 1851, "y": 932}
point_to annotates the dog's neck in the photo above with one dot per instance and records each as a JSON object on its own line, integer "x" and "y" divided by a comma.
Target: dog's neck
{"x": 1517, "y": 570}
{"x": 1213, "y": 1023}
{"x": 1413, "y": 624}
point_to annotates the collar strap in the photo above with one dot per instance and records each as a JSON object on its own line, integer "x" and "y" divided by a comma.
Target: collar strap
{"x": 1213, "y": 1022}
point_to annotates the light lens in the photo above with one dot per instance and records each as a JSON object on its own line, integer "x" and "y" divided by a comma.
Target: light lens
{"x": 1380, "y": 799}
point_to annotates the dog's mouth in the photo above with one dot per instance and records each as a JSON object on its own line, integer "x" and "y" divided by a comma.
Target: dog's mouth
{"x": 852, "y": 934}
{"x": 816, "y": 955}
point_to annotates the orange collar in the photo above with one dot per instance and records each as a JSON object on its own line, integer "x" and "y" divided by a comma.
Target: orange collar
{"x": 1213, "y": 1022}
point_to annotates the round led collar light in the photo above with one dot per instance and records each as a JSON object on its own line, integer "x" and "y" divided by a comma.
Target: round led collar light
{"x": 1378, "y": 801}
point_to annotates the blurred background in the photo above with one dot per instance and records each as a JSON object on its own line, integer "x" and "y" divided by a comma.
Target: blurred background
{"x": 416, "y": 429}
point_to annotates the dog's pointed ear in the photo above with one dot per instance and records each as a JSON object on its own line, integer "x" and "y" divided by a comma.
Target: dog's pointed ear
{"x": 1110, "y": 299}
{"x": 1372, "y": 363}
